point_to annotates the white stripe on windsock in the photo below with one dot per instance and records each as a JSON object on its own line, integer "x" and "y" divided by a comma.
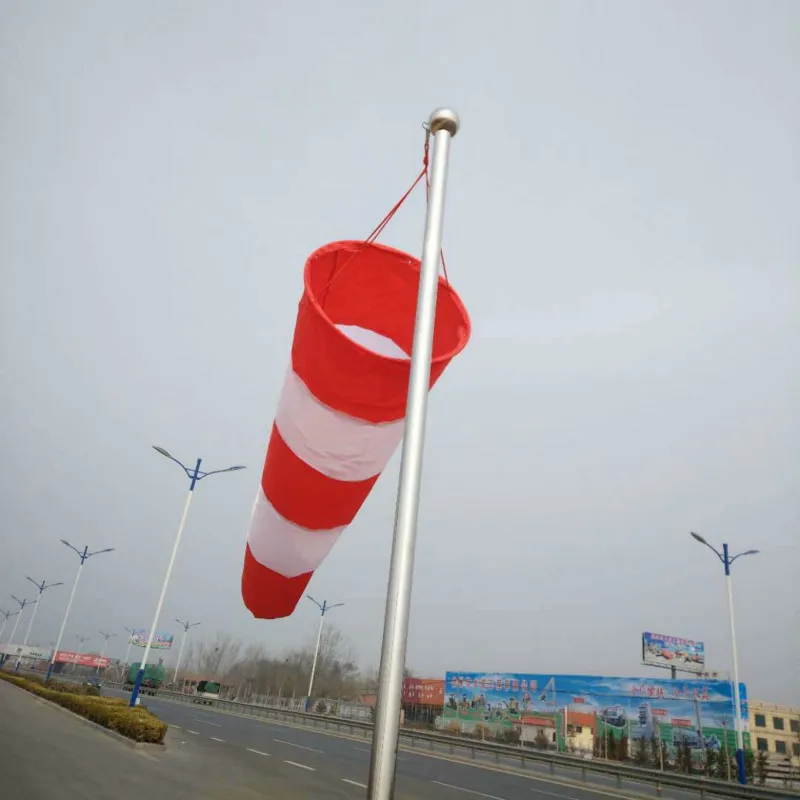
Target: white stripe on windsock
{"x": 335, "y": 444}
{"x": 283, "y": 546}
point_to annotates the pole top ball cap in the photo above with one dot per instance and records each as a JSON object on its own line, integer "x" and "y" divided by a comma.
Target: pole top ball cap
{"x": 444, "y": 119}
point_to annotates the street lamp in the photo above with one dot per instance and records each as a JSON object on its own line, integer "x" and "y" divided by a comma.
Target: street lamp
{"x": 41, "y": 588}
{"x": 194, "y": 476}
{"x": 129, "y": 631}
{"x": 727, "y": 560}
{"x": 323, "y": 607}
{"x": 22, "y": 604}
{"x": 106, "y": 636}
{"x": 84, "y": 555}
{"x": 186, "y": 626}
{"x": 6, "y": 615}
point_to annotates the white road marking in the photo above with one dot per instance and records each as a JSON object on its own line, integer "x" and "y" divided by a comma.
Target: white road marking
{"x": 355, "y": 783}
{"x": 468, "y": 791}
{"x": 177, "y": 727}
{"x": 301, "y": 746}
{"x": 257, "y": 752}
{"x": 194, "y": 733}
{"x": 206, "y": 722}
{"x": 553, "y": 794}
{"x": 217, "y": 740}
{"x": 302, "y": 766}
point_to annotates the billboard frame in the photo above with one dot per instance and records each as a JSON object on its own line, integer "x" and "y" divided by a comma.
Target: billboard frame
{"x": 690, "y": 644}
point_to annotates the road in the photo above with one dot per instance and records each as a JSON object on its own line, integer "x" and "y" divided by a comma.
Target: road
{"x": 45, "y": 752}
{"x": 340, "y": 759}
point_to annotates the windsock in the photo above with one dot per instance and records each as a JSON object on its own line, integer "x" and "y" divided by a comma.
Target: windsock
{"x": 341, "y": 411}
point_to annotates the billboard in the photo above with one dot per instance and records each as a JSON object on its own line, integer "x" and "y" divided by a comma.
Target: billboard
{"x": 423, "y": 691}
{"x": 637, "y": 708}
{"x": 81, "y": 659}
{"x": 669, "y": 651}
{"x": 18, "y": 650}
{"x": 161, "y": 641}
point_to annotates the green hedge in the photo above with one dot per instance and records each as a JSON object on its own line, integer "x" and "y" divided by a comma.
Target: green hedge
{"x": 110, "y": 712}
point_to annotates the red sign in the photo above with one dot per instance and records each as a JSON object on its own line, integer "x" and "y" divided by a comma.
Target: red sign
{"x": 578, "y": 699}
{"x": 660, "y": 712}
{"x": 423, "y": 691}
{"x": 681, "y": 723}
{"x": 81, "y": 660}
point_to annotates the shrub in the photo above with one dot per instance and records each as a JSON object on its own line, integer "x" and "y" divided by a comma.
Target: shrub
{"x": 110, "y": 712}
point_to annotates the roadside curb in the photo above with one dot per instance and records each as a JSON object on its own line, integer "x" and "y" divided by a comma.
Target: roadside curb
{"x": 130, "y": 743}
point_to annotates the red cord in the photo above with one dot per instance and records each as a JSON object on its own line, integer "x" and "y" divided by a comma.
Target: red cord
{"x": 388, "y": 218}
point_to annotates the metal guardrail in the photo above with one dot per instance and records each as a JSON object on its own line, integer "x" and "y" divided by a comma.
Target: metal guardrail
{"x": 556, "y": 764}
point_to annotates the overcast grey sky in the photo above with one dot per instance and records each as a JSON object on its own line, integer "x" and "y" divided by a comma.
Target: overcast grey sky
{"x": 621, "y": 224}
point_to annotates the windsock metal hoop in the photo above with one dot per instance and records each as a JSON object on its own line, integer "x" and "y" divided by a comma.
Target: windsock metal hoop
{"x": 340, "y": 414}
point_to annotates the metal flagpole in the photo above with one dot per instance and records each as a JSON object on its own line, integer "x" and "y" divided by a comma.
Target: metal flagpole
{"x": 443, "y": 125}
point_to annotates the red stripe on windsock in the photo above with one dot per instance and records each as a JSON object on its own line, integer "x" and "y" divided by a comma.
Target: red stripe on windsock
{"x": 306, "y": 497}
{"x": 268, "y": 594}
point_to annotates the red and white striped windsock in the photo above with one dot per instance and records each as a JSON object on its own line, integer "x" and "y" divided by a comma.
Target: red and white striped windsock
{"x": 341, "y": 411}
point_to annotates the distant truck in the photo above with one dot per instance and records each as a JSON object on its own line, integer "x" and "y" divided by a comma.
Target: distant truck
{"x": 153, "y": 678}
{"x": 206, "y": 692}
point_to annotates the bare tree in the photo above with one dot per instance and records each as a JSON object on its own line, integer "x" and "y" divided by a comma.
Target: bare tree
{"x": 214, "y": 658}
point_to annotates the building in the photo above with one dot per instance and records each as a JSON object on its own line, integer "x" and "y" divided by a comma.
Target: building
{"x": 775, "y": 730}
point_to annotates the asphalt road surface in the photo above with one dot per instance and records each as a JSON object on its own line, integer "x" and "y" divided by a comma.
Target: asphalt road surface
{"x": 47, "y": 753}
{"x": 342, "y": 759}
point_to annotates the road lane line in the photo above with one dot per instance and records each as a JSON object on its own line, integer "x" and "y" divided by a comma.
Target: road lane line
{"x": 301, "y": 746}
{"x": 217, "y": 740}
{"x": 206, "y": 722}
{"x": 355, "y": 783}
{"x": 566, "y": 782}
{"x": 553, "y": 794}
{"x": 302, "y": 766}
{"x": 468, "y": 791}
{"x": 194, "y": 733}
{"x": 257, "y": 752}
{"x": 177, "y": 727}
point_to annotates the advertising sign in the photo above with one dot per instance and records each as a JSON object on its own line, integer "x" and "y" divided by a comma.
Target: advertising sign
{"x": 423, "y": 691}
{"x": 17, "y": 650}
{"x": 669, "y": 651}
{"x": 637, "y": 708}
{"x": 161, "y": 641}
{"x": 81, "y": 659}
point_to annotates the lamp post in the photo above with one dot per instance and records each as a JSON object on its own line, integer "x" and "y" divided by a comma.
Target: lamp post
{"x": 22, "y": 604}
{"x": 186, "y": 626}
{"x": 129, "y": 631}
{"x": 194, "y": 476}
{"x": 106, "y": 636}
{"x": 83, "y": 555}
{"x": 727, "y": 559}
{"x": 6, "y": 615}
{"x": 41, "y": 587}
{"x": 442, "y": 125}
{"x": 81, "y": 642}
{"x": 323, "y": 607}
